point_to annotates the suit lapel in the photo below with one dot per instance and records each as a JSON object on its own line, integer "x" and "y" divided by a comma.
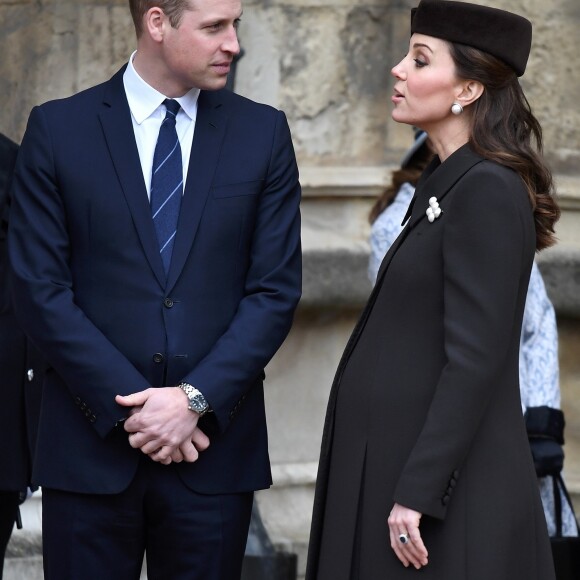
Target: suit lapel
{"x": 115, "y": 118}
{"x": 210, "y": 128}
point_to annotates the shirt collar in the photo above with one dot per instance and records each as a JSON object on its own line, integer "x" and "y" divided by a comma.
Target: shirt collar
{"x": 144, "y": 100}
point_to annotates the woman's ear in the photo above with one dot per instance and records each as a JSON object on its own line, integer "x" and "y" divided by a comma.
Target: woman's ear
{"x": 469, "y": 93}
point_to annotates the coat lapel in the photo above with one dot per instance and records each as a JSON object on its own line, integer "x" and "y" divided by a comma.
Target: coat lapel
{"x": 115, "y": 119}
{"x": 390, "y": 253}
{"x": 438, "y": 179}
{"x": 210, "y": 128}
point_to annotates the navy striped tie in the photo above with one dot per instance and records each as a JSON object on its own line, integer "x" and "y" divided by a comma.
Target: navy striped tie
{"x": 167, "y": 183}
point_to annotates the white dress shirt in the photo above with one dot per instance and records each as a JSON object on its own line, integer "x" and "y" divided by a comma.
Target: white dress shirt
{"x": 147, "y": 114}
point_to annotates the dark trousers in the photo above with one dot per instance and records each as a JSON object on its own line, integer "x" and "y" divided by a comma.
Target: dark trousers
{"x": 184, "y": 535}
{"x": 9, "y": 501}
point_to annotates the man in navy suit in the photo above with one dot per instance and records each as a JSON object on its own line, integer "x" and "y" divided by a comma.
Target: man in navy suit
{"x": 152, "y": 435}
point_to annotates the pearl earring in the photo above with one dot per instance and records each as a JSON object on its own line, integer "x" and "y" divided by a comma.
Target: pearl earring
{"x": 456, "y": 109}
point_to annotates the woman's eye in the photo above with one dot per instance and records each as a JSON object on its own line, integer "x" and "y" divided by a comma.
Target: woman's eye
{"x": 419, "y": 63}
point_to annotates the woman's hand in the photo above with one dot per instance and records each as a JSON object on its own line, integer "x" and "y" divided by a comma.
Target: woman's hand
{"x": 405, "y": 521}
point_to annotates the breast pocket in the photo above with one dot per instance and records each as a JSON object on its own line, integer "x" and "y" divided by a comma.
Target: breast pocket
{"x": 237, "y": 189}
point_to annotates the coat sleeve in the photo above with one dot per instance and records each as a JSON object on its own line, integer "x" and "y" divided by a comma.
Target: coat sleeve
{"x": 487, "y": 252}
{"x": 272, "y": 289}
{"x": 39, "y": 248}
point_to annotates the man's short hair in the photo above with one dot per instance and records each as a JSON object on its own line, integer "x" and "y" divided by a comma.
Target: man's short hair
{"x": 173, "y": 9}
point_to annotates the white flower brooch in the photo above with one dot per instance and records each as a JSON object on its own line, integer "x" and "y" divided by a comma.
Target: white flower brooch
{"x": 433, "y": 211}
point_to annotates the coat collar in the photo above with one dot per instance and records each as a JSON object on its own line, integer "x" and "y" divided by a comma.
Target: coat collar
{"x": 210, "y": 126}
{"x": 438, "y": 179}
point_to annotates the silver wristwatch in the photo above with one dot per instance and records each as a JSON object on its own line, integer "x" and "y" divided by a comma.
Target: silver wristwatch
{"x": 197, "y": 402}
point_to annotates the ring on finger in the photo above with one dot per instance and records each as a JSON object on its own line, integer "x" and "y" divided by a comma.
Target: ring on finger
{"x": 404, "y": 538}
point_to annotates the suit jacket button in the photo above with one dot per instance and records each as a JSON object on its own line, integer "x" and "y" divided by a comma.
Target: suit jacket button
{"x": 30, "y": 374}
{"x": 168, "y": 303}
{"x": 158, "y": 357}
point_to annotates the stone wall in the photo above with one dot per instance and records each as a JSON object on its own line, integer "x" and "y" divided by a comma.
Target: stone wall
{"x": 327, "y": 64}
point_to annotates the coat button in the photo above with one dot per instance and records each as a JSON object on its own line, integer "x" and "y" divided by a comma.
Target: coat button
{"x": 158, "y": 357}
{"x": 445, "y": 499}
{"x": 30, "y": 374}
{"x": 168, "y": 303}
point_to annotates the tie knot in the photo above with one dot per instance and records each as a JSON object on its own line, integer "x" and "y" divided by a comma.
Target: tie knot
{"x": 172, "y": 107}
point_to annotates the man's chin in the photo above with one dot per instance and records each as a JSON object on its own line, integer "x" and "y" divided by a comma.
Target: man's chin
{"x": 214, "y": 82}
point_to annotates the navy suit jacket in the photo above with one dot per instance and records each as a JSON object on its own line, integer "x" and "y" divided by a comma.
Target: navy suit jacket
{"x": 19, "y": 390}
{"x": 91, "y": 293}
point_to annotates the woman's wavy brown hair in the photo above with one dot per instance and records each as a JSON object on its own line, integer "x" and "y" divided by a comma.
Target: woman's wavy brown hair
{"x": 505, "y": 130}
{"x": 410, "y": 173}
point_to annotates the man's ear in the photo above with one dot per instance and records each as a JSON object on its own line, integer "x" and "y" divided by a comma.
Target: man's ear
{"x": 154, "y": 22}
{"x": 470, "y": 91}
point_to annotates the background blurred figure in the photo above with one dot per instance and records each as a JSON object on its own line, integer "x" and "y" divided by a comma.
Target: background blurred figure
{"x": 538, "y": 363}
{"x": 18, "y": 403}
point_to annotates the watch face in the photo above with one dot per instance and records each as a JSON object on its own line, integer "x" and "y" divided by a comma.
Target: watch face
{"x": 199, "y": 403}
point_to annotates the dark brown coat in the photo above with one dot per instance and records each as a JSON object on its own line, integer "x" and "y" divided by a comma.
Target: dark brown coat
{"x": 425, "y": 407}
